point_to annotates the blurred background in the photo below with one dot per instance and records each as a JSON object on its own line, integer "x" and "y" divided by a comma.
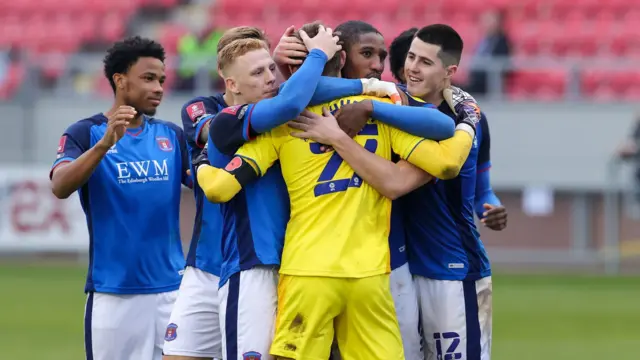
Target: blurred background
{"x": 558, "y": 80}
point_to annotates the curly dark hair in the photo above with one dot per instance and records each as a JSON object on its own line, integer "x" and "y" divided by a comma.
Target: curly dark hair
{"x": 123, "y": 54}
{"x": 398, "y": 52}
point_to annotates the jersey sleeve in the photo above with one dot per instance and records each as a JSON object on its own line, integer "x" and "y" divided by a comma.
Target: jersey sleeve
{"x": 73, "y": 143}
{"x": 262, "y": 152}
{"x": 441, "y": 159}
{"x": 195, "y": 114}
{"x": 403, "y": 143}
{"x": 484, "y": 158}
{"x": 484, "y": 193}
{"x": 230, "y": 129}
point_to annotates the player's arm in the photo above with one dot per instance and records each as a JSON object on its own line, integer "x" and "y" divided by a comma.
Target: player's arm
{"x": 426, "y": 122}
{"x": 294, "y": 97}
{"x": 77, "y": 159}
{"x": 251, "y": 161}
{"x": 421, "y": 121}
{"x": 331, "y": 88}
{"x": 247, "y": 121}
{"x": 484, "y": 192}
{"x": 442, "y": 159}
{"x": 390, "y": 179}
{"x": 487, "y": 204}
{"x": 196, "y": 116}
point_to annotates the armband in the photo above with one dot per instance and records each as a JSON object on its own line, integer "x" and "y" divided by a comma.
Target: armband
{"x": 243, "y": 171}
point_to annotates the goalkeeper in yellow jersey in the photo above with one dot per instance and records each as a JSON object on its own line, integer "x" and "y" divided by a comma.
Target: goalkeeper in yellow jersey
{"x": 335, "y": 263}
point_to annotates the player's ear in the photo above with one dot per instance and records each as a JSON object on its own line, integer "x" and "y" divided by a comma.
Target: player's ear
{"x": 119, "y": 80}
{"x": 231, "y": 85}
{"x": 343, "y": 59}
{"x": 451, "y": 70}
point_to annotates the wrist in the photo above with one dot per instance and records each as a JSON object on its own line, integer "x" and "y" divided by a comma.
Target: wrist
{"x": 467, "y": 128}
{"x": 102, "y": 146}
{"x": 317, "y": 52}
{"x": 368, "y": 106}
{"x": 338, "y": 139}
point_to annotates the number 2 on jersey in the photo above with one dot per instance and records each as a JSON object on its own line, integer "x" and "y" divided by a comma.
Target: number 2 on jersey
{"x": 326, "y": 184}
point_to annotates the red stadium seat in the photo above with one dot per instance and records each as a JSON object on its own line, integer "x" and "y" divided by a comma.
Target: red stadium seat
{"x": 111, "y": 28}
{"x": 543, "y": 84}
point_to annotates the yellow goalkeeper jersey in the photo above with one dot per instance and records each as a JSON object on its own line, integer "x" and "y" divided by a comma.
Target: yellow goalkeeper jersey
{"x": 339, "y": 225}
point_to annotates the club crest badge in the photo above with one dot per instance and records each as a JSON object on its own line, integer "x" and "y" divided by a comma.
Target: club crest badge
{"x": 164, "y": 144}
{"x": 171, "y": 333}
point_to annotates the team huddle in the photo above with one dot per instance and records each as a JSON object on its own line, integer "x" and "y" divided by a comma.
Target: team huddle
{"x": 334, "y": 212}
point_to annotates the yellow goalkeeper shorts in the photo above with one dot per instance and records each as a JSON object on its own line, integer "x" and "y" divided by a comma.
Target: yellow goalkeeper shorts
{"x": 360, "y": 312}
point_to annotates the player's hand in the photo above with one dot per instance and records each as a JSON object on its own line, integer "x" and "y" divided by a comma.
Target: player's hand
{"x": 324, "y": 41}
{"x": 495, "y": 217}
{"x": 323, "y": 128}
{"x": 290, "y": 50}
{"x": 117, "y": 125}
{"x": 465, "y": 106}
{"x": 468, "y": 114}
{"x": 202, "y": 158}
{"x": 352, "y": 117}
{"x": 379, "y": 88}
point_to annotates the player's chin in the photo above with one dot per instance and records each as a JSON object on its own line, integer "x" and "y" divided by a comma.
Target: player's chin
{"x": 270, "y": 93}
{"x": 150, "y": 110}
{"x": 417, "y": 88}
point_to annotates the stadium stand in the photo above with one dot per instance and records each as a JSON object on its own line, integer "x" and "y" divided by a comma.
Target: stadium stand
{"x": 567, "y": 29}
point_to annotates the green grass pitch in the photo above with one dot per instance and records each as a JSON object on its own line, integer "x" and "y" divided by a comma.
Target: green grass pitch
{"x": 536, "y": 317}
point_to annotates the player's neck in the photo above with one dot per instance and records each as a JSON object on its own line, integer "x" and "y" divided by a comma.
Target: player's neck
{"x": 136, "y": 122}
{"x": 434, "y": 98}
{"x": 229, "y": 99}
{"x": 237, "y": 100}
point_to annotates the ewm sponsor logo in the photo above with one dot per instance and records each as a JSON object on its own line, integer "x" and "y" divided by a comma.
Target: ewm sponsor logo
{"x": 133, "y": 172}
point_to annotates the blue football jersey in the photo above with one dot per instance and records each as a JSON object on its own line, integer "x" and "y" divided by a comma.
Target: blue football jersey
{"x": 132, "y": 205}
{"x": 204, "y": 251}
{"x": 397, "y": 235}
{"x": 255, "y": 219}
{"x": 442, "y": 239}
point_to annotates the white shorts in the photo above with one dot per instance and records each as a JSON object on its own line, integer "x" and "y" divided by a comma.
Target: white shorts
{"x": 248, "y": 304}
{"x": 405, "y": 299}
{"x": 194, "y": 326}
{"x": 126, "y": 327}
{"x": 456, "y": 318}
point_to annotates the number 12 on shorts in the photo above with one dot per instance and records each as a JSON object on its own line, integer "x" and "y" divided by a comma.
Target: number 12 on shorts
{"x": 326, "y": 184}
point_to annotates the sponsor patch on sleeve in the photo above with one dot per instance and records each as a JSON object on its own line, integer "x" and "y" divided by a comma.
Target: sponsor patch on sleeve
{"x": 195, "y": 110}
{"x": 232, "y": 109}
{"x": 61, "y": 143}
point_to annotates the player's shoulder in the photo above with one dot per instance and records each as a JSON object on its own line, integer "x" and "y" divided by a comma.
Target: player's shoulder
{"x": 166, "y": 124}
{"x": 201, "y": 106}
{"x": 83, "y": 126}
{"x": 231, "y": 115}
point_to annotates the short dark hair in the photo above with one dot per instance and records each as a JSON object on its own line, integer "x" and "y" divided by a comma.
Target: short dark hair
{"x": 398, "y": 52}
{"x": 332, "y": 67}
{"x": 445, "y": 37}
{"x": 123, "y": 54}
{"x": 351, "y": 30}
